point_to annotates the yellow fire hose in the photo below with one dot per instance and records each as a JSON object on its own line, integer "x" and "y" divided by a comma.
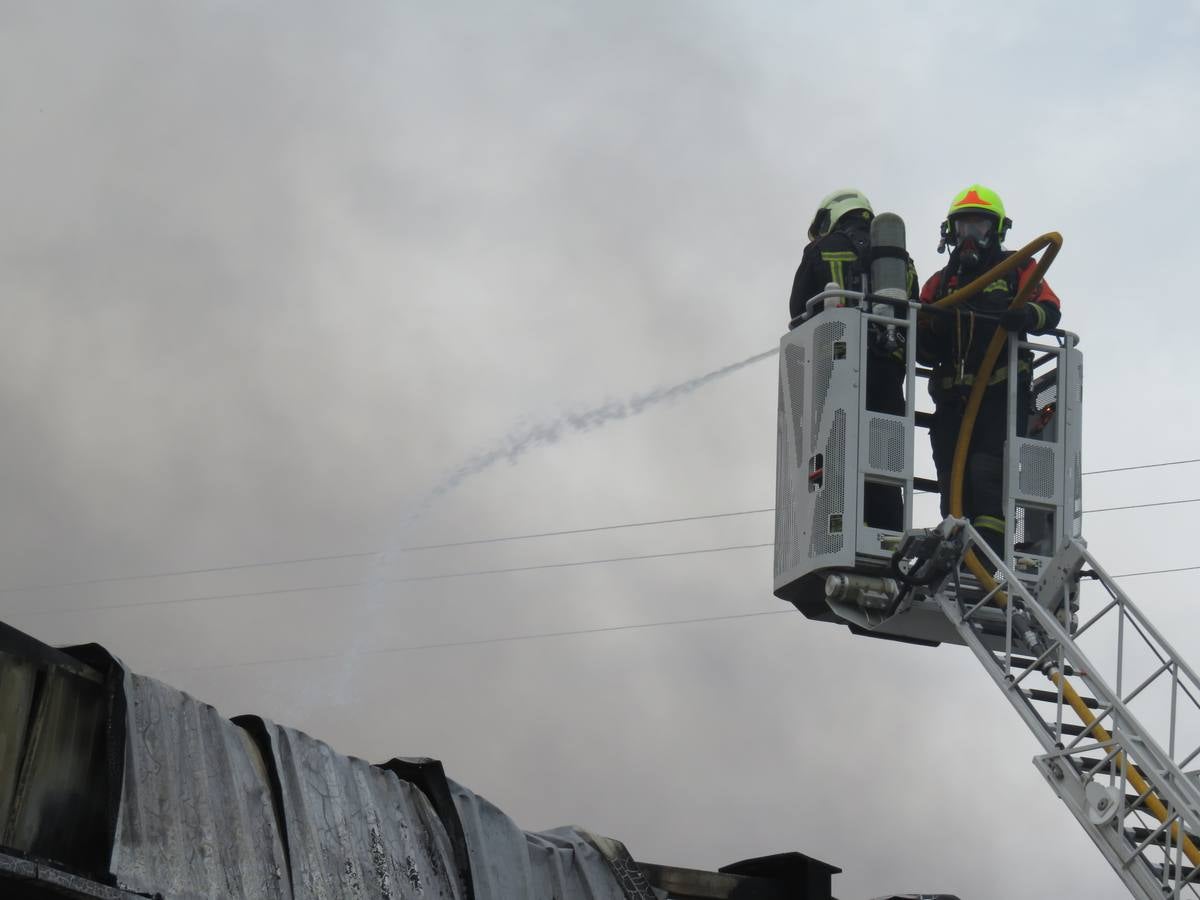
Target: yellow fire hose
{"x": 1051, "y": 243}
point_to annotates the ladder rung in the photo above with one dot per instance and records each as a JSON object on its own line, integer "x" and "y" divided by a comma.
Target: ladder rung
{"x": 1140, "y": 834}
{"x": 1089, "y": 763}
{"x": 1109, "y": 768}
{"x": 1024, "y": 662}
{"x": 1183, "y": 873}
{"x": 1052, "y": 697}
{"x": 1131, "y": 799}
{"x": 1111, "y": 754}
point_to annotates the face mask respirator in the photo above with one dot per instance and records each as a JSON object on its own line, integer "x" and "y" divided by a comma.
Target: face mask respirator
{"x": 972, "y": 236}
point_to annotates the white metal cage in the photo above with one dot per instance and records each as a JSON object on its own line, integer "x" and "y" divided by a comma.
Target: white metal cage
{"x": 832, "y": 446}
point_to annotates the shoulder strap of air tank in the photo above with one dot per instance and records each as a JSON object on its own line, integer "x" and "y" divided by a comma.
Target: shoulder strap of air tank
{"x": 860, "y": 242}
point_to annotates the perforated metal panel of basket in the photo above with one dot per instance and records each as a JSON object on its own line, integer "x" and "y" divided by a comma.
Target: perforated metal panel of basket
{"x": 1037, "y": 471}
{"x": 886, "y": 447}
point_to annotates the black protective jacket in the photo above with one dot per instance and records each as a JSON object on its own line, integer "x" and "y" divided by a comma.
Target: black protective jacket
{"x": 842, "y": 256}
{"x": 954, "y": 344}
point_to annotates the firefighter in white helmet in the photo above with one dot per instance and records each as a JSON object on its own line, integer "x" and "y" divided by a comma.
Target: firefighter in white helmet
{"x": 839, "y": 252}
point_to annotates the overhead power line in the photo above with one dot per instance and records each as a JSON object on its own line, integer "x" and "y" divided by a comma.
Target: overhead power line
{"x": 589, "y": 530}
{"x": 532, "y": 636}
{"x": 208, "y": 570}
{"x": 406, "y": 579}
{"x": 1156, "y": 572}
{"x": 509, "y": 538}
{"x": 365, "y": 554}
{"x": 1142, "y": 505}
{"x": 83, "y": 582}
{"x": 542, "y": 635}
{"x": 1174, "y": 462}
{"x": 442, "y": 576}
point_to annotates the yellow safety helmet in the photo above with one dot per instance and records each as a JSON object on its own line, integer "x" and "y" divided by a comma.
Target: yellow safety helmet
{"x": 834, "y": 207}
{"x": 977, "y": 197}
{"x": 974, "y": 199}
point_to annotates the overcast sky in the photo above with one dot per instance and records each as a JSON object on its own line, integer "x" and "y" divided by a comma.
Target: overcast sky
{"x": 273, "y": 271}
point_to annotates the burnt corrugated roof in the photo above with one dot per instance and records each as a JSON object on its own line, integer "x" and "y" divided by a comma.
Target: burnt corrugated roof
{"x": 156, "y": 793}
{"x": 114, "y": 786}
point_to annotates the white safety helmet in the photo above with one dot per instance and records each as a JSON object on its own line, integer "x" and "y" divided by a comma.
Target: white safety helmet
{"x": 834, "y": 207}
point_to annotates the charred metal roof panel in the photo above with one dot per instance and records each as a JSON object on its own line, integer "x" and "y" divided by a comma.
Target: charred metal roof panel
{"x": 569, "y": 861}
{"x": 113, "y": 784}
{"x": 196, "y": 817}
{"x": 203, "y": 802}
{"x": 55, "y": 797}
{"x": 507, "y": 862}
{"x": 355, "y": 830}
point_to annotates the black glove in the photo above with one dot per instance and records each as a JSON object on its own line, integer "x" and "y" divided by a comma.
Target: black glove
{"x": 1021, "y": 319}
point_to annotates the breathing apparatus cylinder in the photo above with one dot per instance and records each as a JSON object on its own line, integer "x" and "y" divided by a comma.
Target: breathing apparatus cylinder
{"x": 889, "y": 267}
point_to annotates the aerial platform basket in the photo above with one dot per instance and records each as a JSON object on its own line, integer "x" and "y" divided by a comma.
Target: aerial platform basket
{"x": 834, "y": 449}
{"x": 843, "y": 556}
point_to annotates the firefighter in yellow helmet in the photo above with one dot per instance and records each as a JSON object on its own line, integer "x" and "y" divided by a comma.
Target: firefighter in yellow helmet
{"x": 954, "y": 345}
{"x": 839, "y": 252}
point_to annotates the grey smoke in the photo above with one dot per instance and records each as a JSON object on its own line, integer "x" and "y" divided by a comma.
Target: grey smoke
{"x": 524, "y": 438}
{"x": 511, "y": 447}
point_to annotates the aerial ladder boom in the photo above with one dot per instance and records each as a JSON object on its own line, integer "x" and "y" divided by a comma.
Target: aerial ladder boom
{"x": 1116, "y": 754}
{"x": 1114, "y": 707}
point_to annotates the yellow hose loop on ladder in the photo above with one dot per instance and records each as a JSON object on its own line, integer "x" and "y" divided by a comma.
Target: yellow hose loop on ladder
{"x": 1051, "y": 243}
{"x": 1155, "y": 805}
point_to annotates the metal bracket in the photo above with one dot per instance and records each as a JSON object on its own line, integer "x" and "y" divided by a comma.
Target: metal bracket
{"x": 1058, "y": 588}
